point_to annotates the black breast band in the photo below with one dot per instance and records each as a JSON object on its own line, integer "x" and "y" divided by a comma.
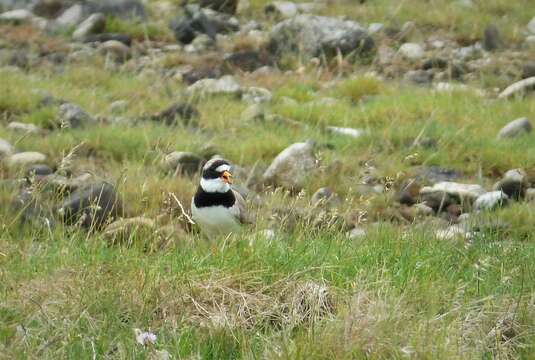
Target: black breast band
{"x": 205, "y": 199}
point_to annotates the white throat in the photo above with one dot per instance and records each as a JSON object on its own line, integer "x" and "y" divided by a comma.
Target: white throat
{"x": 214, "y": 185}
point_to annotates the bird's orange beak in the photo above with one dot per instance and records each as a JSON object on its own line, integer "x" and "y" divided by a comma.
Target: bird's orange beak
{"x": 227, "y": 177}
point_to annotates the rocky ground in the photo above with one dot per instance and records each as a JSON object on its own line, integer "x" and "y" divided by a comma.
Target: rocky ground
{"x": 385, "y": 148}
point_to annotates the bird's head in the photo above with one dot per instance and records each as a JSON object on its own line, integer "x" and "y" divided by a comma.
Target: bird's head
{"x": 216, "y": 176}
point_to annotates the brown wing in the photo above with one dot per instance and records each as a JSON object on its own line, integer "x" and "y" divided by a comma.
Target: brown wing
{"x": 244, "y": 216}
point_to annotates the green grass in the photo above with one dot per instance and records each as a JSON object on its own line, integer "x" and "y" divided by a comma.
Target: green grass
{"x": 310, "y": 292}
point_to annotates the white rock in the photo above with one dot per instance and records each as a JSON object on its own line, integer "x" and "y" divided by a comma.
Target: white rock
{"x": 354, "y": 133}
{"x": 375, "y": 28}
{"x": 115, "y": 49}
{"x": 452, "y": 232}
{"x": 292, "y": 167}
{"x": 285, "y": 9}
{"x": 93, "y": 24}
{"x": 356, "y": 233}
{"x": 257, "y": 95}
{"x": 23, "y": 127}
{"x": 224, "y": 85}
{"x": 17, "y": 16}
{"x": 71, "y": 16}
{"x": 412, "y": 51}
{"x": 515, "y": 128}
{"x": 5, "y": 148}
{"x": 519, "y": 87}
{"x": 119, "y": 107}
{"x": 531, "y": 26}
{"x": 463, "y": 191}
{"x": 72, "y": 116}
{"x": 26, "y": 158}
{"x": 453, "y": 87}
{"x": 490, "y": 200}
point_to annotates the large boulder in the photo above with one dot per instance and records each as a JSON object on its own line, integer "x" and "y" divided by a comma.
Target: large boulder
{"x": 292, "y": 167}
{"x": 91, "y": 206}
{"x": 318, "y": 35}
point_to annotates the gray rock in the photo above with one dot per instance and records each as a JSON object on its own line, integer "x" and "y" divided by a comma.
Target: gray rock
{"x": 491, "y": 200}
{"x": 176, "y": 113}
{"x": 26, "y": 158}
{"x": 224, "y": 85}
{"x": 23, "y": 127}
{"x": 374, "y": 28}
{"x": 325, "y": 197}
{"x": 434, "y": 174}
{"x": 283, "y": 9}
{"x": 518, "y": 88}
{"x": 92, "y": 25}
{"x": 183, "y": 163}
{"x": 195, "y": 21}
{"x": 71, "y": 16}
{"x": 72, "y": 116}
{"x": 31, "y": 210}
{"x": 317, "y": 36}
{"x": 19, "y": 16}
{"x": 457, "y": 190}
{"x": 513, "y": 183}
{"x": 256, "y": 95}
{"x": 531, "y": 26}
{"x": 38, "y": 170}
{"x": 528, "y": 70}
{"x": 420, "y": 77}
{"x": 412, "y": 51}
{"x": 91, "y": 206}
{"x": 5, "y": 148}
{"x": 253, "y": 112}
{"x": 453, "y": 232}
{"x": 491, "y": 38}
{"x": 515, "y": 128}
{"x": 115, "y": 49}
{"x": 119, "y": 107}
{"x": 356, "y": 233}
{"x": 292, "y": 167}
{"x": 530, "y": 194}
{"x": 423, "y": 210}
{"x": 49, "y": 8}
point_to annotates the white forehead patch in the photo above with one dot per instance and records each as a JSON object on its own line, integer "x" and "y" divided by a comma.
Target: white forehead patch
{"x": 222, "y": 168}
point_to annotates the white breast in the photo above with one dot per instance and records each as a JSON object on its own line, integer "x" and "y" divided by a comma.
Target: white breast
{"x": 216, "y": 220}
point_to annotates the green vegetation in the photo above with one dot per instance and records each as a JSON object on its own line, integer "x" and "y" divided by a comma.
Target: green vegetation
{"x": 311, "y": 291}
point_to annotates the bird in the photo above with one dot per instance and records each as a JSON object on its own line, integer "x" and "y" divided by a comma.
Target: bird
{"x": 216, "y": 208}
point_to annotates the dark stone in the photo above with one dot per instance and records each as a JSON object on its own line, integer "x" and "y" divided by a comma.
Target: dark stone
{"x": 248, "y": 60}
{"x": 409, "y": 192}
{"x": 491, "y": 38}
{"x": 528, "y": 70}
{"x": 435, "y": 63}
{"x": 195, "y": 75}
{"x": 125, "y": 39}
{"x": 49, "y": 8}
{"x": 435, "y": 174}
{"x": 91, "y": 206}
{"x": 179, "y": 112}
{"x": 30, "y": 209}
{"x": 195, "y": 21}
{"x": 225, "y": 6}
{"x": 38, "y": 170}
{"x": 50, "y": 100}
{"x": 438, "y": 201}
